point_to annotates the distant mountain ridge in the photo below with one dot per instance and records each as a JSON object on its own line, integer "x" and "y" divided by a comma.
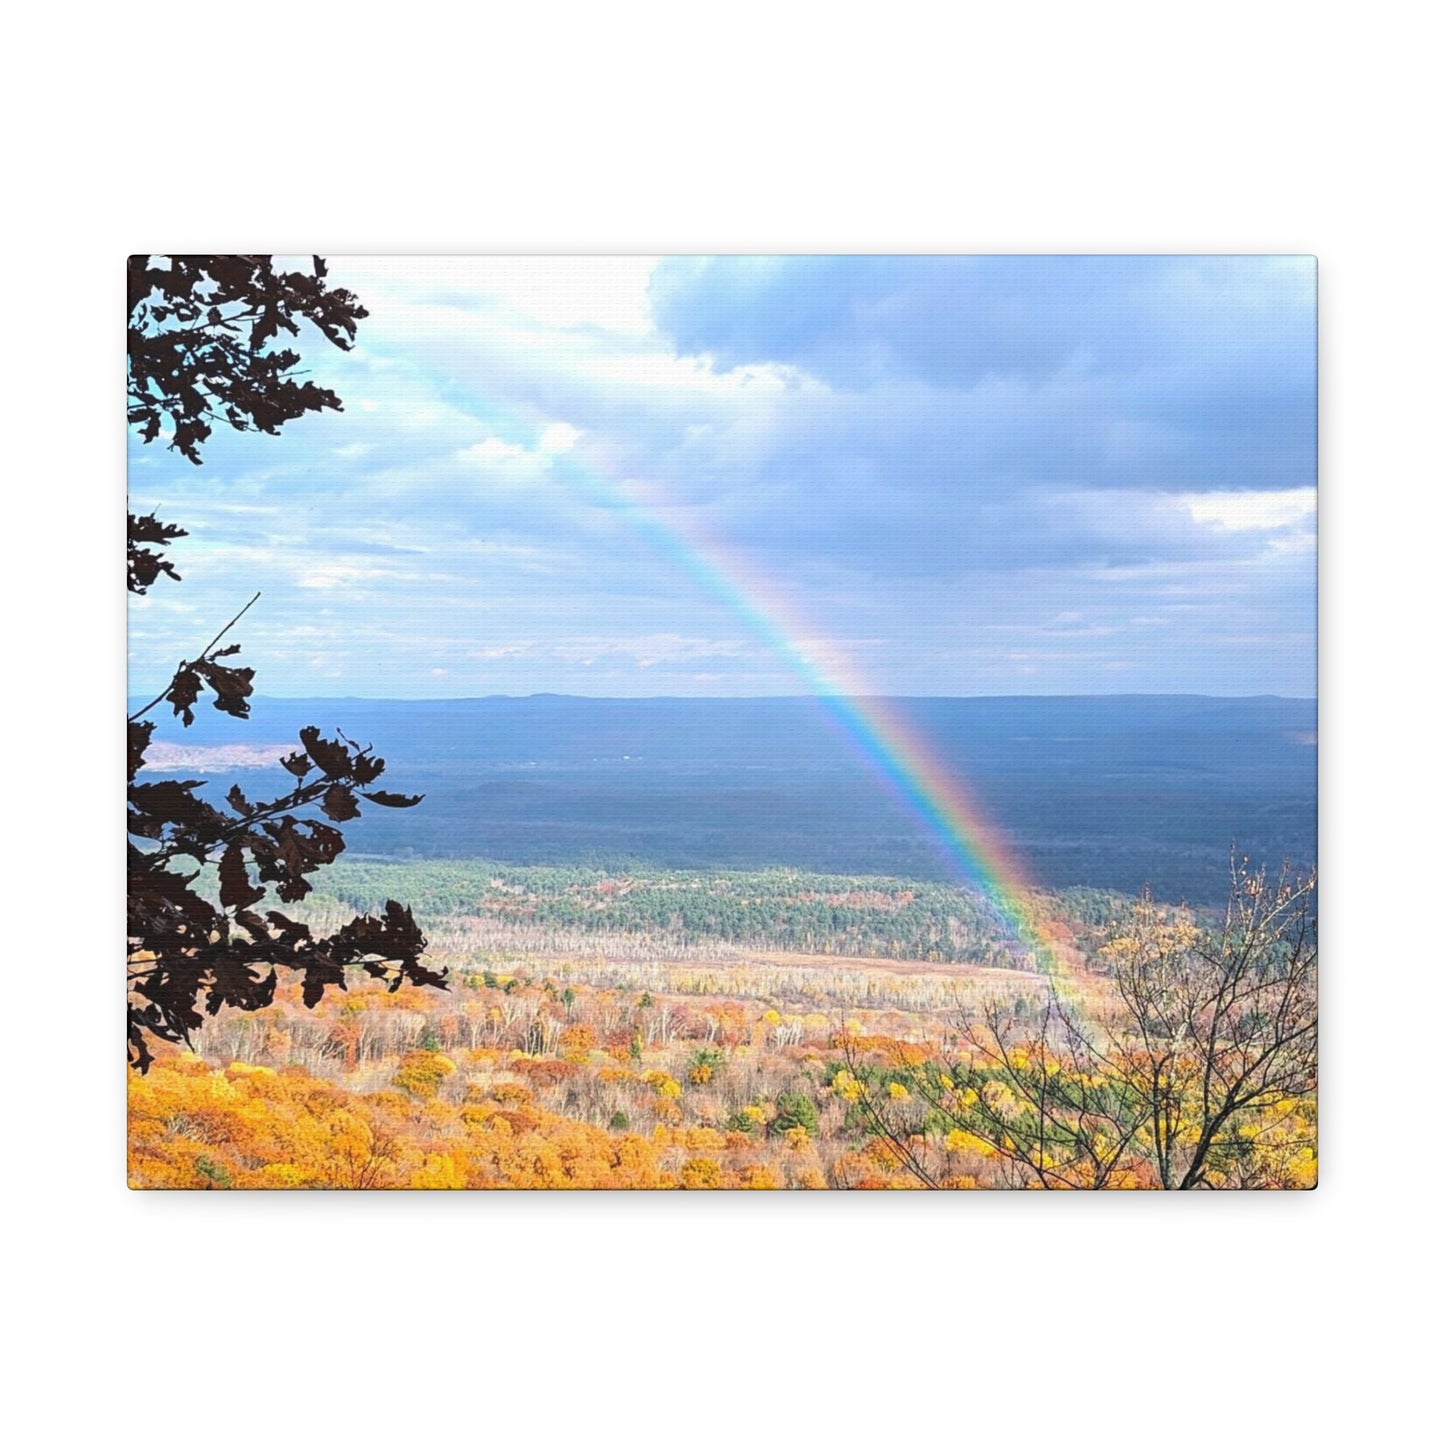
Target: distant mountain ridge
{"x": 1106, "y": 790}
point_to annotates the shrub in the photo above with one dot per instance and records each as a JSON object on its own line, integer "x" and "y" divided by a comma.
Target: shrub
{"x": 217, "y": 1176}
{"x": 701, "y": 1174}
{"x": 747, "y": 1120}
{"x": 795, "y": 1111}
{"x": 421, "y": 1073}
{"x": 703, "y": 1065}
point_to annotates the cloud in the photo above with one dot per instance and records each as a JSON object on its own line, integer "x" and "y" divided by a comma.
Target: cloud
{"x": 494, "y": 450}
{"x": 596, "y": 293}
{"x": 964, "y": 474}
{"x": 649, "y": 651}
{"x": 1252, "y": 511}
{"x": 559, "y": 436}
{"x": 1127, "y": 370}
{"x": 337, "y": 574}
{"x": 954, "y": 320}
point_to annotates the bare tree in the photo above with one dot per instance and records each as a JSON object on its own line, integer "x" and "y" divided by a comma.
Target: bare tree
{"x": 1197, "y": 1071}
{"x": 1217, "y": 1027}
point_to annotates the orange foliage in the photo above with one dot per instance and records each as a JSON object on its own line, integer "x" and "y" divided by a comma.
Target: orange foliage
{"x": 701, "y": 1174}
{"x": 422, "y": 1073}
{"x": 522, "y": 1087}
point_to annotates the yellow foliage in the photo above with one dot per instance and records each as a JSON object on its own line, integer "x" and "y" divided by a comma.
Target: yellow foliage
{"x": 664, "y": 1085}
{"x": 703, "y": 1138}
{"x": 273, "y": 1125}
{"x": 421, "y": 1073}
{"x": 439, "y": 1171}
{"x": 758, "y": 1176}
{"x": 577, "y": 1043}
{"x": 881, "y": 1154}
{"x": 1303, "y": 1170}
{"x": 701, "y": 1174}
{"x": 284, "y": 1176}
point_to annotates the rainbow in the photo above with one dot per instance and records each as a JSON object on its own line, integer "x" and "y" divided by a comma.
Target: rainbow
{"x": 898, "y": 753}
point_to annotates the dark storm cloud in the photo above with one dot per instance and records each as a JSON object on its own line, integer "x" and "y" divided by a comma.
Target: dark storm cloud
{"x": 1199, "y": 368}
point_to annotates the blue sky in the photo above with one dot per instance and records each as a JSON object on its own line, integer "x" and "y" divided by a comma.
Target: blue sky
{"x": 624, "y": 476}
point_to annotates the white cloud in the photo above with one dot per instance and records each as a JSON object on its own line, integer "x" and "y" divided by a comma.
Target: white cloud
{"x": 494, "y": 451}
{"x": 651, "y": 372}
{"x": 494, "y": 454}
{"x": 336, "y": 574}
{"x": 608, "y": 293}
{"x": 645, "y": 651}
{"x": 560, "y": 436}
{"x": 1251, "y": 511}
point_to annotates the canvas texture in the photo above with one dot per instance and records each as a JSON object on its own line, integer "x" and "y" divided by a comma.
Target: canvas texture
{"x": 723, "y": 723}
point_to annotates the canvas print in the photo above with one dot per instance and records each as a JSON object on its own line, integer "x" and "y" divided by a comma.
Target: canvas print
{"x": 722, "y": 722}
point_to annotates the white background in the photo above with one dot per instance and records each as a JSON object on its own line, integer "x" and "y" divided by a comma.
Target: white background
{"x": 1044, "y": 127}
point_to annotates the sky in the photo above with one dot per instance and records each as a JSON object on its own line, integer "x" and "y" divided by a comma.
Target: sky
{"x": 744, "y": 476}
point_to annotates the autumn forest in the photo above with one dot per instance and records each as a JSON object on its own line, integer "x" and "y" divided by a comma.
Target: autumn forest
{"x": 771, "y": 970}
{"x": 1163, "y": 1050}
